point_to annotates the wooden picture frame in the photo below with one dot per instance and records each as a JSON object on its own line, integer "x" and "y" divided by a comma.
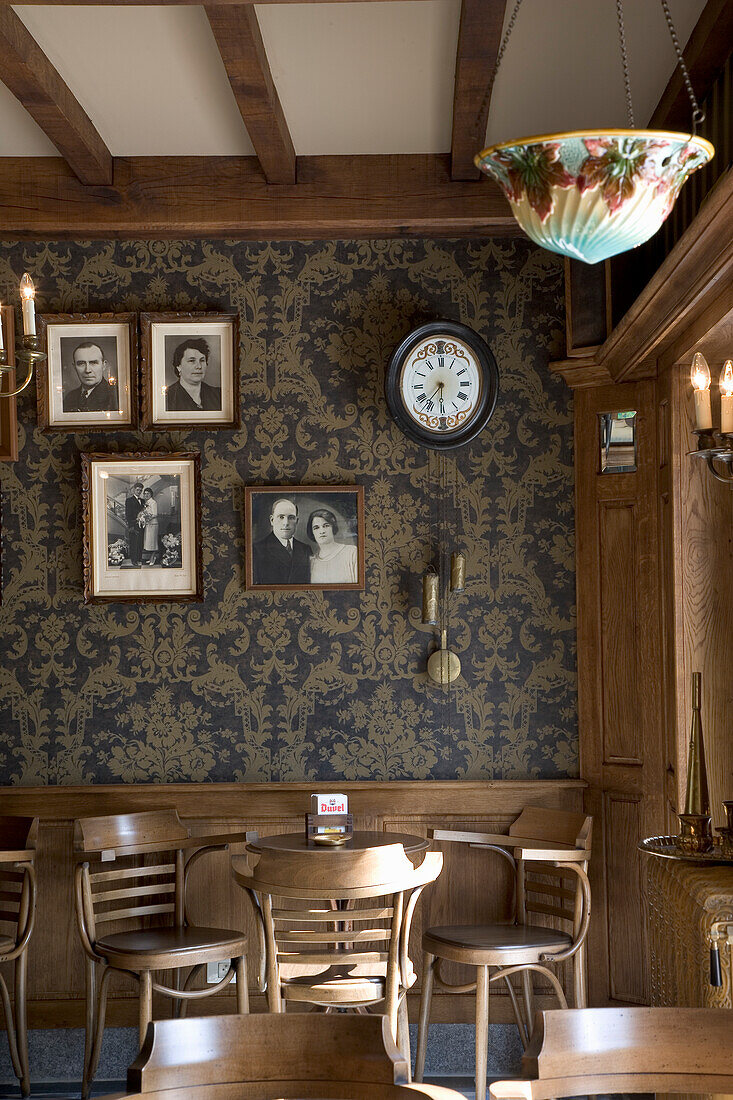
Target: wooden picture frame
{"x": 136, "y": 551}
{"x": 89, "y": 380}
{"x": 8, "y": 405}
{"x": 174, "y": 377}
{"x": 315, "y": 519}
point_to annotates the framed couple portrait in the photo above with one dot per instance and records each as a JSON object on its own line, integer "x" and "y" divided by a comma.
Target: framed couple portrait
{"x": 190, "y": 376}
{"x": 89, "y": 378}
{"x": 299, "y": 537}
{"x": 142, "y": 527}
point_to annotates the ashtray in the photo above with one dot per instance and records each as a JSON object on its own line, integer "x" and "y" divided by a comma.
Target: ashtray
{"x": 331, "y": 840}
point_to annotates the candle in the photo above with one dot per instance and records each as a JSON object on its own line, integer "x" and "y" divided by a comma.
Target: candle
{"x": 700, "y": 378}
{"x": 726, "y": 398}
{"x": 27, "y": 294}
{"x": 457, "y": 571}
{"x": 2, "y": 339}
{"x": 430, "y": 598}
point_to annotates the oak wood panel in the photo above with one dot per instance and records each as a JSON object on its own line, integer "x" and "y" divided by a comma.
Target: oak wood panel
{"x": 242, "y": 50}
{"x": 623, "y": 826}
{"x": 479, "y": 38}
{"x": 381, "y": 196}
{"x": 468, "y": 885}
{"x": 30, "y": 76}
{"x": 706, "y": 52}
{"x": 619, "y": 632}
{"x": 581, "y": 373}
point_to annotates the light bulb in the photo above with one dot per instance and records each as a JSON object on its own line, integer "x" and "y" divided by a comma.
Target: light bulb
{"x": 700, "y": 378}
{"x": 726, "y": 398}
{"x": 27, "y": 294}
{"x": 726, "y": 379}
{"x": 700, "y": 373}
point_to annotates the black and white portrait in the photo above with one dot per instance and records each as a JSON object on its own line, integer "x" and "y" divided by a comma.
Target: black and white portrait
{"x": 305, "y": 537}
{"x": 142, "y": 526}
{"x": 89, "y": 380}
{"x": 190, "y": 370}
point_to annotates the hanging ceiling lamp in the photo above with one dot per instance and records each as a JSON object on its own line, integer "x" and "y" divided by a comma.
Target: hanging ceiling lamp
{"x": 592, "y": 194}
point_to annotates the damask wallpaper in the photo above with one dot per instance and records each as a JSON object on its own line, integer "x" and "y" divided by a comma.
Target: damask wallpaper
{"x": 263, "y": 686}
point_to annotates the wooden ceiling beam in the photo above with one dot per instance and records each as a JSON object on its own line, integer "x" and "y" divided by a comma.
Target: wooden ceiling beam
{"x": 479, "y": 38}
{"x": 363, "y": 196}
{"x": 29, "y": 75}
{"x": 705, "y": 54}
{"x": 242, "y": 50}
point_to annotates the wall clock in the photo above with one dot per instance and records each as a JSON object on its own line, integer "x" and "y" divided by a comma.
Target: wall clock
{"x": 441, "y": 384}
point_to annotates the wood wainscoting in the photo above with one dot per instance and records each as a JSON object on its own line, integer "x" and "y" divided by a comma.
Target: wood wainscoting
{"x": 475, "y": 885}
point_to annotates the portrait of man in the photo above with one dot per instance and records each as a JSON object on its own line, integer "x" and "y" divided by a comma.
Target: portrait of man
{"x": 97, "y": 389}
{"x": 135, "y": 533}
{"x": 190, "y": 393}
{"x": 280, "y": 558}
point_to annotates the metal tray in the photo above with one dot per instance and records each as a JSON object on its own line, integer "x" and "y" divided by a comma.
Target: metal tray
{"x": 668, "y": 847}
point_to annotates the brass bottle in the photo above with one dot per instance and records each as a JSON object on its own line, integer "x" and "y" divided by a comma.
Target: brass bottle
{"x": 697, "y": 799}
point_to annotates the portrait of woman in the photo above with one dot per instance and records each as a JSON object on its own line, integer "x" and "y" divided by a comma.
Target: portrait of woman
{"x": 149, "y": 518}
{"x": 332, "y": 562}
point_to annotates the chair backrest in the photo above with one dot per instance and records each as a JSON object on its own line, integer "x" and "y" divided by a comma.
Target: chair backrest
{"x": 589, "y": 1051}
{"x": 557, "y": 826}
{"x": 298, "y": 1055}
{"x": 135, "y": 869}
{"x": 18, "y": 839}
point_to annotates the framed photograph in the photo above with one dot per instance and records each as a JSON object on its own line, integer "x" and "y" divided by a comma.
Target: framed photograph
{"x": 142, "y": 527}
{"x": 304, "y": 536}
{"x": 8, "y": 414}
{"x": 190, "y": 370}
{"x": 89, "y": 381}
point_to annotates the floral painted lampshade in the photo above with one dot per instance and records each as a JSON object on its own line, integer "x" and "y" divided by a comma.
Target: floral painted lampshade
{"x": 592, "y": 195}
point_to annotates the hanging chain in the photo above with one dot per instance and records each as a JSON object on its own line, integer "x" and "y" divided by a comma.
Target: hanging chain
{"x": 490, "y": 87}
{"x": 698, "y": 115}
{"x": 625, "y": 62}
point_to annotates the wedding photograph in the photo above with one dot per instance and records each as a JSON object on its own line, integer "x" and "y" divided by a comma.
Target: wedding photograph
{"x": 304, "y": 537}
{"x": 90, "y": 373}
{"x": 189, "y": 370}
{"x": 142, "y": 526}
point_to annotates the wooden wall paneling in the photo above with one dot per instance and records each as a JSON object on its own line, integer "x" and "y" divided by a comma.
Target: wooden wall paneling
{"x": 472, "y": 882}
{"x": 587, "y": 306}
{"x": 623, "y": 823}
{"x": 619, "y": 685}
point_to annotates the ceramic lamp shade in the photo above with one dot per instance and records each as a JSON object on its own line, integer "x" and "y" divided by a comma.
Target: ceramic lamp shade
{"x": 592, "y": 195}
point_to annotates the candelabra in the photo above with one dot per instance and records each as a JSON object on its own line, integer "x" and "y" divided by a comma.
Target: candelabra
{"x": 714, "y": 447}
{"x": 444, "y": 666}
{"x": 29, "y": 354}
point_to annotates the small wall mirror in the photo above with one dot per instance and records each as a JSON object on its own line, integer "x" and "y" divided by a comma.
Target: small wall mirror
{"x": 617, "y": 442}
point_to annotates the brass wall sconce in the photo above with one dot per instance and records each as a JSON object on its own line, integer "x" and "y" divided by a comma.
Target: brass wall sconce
{"x": 29, "y": 354}
{"x": 714, "y": 447}
{"x": 444, "y": 666}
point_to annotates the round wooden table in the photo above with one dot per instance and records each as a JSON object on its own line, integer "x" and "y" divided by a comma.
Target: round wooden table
{"x": 360, "y": 841}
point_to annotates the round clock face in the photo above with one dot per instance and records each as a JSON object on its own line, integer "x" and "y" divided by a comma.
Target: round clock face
{"x": 441, "y": 384}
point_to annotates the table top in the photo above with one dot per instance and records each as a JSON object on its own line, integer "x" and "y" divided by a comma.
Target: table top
{"x": 360, "y": 841}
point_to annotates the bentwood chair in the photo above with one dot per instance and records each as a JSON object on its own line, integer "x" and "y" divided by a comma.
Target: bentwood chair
{"x": 264, "y": 1057}
{"x": 130, "y": 868}
{"x": 592, "y": 1051}
{"x": 18, "y": 838}
{"x": 549, "y": 851}
{"x": 337, "y": 934}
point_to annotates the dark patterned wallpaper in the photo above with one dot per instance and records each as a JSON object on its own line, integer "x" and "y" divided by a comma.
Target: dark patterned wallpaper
{"x": 297, "y": 686}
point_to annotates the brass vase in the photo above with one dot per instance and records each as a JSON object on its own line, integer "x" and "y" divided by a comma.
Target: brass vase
{"x": 696, "y": 823}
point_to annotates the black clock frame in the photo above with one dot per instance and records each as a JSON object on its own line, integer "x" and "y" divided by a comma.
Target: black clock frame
{"x": 489, "y": 386}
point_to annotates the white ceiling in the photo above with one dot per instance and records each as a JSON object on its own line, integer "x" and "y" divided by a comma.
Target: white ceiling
{"x": 352, "y": 78}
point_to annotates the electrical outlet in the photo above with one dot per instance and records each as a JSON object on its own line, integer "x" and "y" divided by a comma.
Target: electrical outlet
{"x": 216, "y": 971}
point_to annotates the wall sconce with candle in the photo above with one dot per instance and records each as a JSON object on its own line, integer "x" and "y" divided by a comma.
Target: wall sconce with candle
{"x": 29, "y": 354}
{"x": 713, "y": 446}
{"x": 444, "y": 666}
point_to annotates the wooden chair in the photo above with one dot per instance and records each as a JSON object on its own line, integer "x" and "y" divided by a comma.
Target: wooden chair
{"x": 346, "y": 953}
{"x": 18, "y": 838}
{"x": 581, "y": 1052}
{"x": 549, "y": 851}
{"x": 133, "y": 867}
{"x": 264, "y": 1057}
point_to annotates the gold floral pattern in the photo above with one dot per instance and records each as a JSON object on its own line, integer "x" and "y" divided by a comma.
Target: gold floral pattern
{"x": 268, "y": 686}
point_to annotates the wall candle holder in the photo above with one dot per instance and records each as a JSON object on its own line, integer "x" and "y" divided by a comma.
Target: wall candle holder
{"x": 30, "y": 353}
{"x": 444, "y": 666}
{"x": 714, "y": 447}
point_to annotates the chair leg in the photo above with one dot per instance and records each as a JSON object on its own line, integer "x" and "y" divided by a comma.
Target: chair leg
{"x": 240, "y": 972}
{"x": 528, "y": 1000}
{"x": 10, "y": 1026}
{"x": 21, "y": 1021}
{"x": 91, "y": 1012}
{"x": 424, "y": 1019}
{"x": 580, "y": 993}
{"x": 403, "y": 1033}
{"x": 482, "y": 1029}
{"x": 100, "y": 1012}
{"x": 146, "y": 1002}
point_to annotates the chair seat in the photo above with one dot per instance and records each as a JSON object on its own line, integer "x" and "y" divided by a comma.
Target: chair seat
{"x": 494, "y": 941}
{"x": 341, "y": 982}
{"x": 184, "y": 946}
